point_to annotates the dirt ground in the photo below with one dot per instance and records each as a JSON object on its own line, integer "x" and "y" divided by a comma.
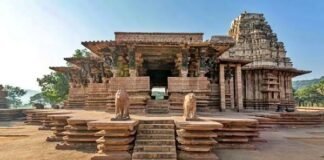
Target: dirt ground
{"x": 26, "y": 142}
{"x": 283, "y": 144}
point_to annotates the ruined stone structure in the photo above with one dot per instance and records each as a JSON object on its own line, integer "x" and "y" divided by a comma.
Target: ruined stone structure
{"x": 248, "y": 69}
{"x": 3, "y": 100}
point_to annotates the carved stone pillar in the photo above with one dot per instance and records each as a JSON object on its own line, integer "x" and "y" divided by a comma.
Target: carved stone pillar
{"x": 222, "y": 87}
{"x": 131, "y": 57}
{"x": 185, "y": 62}
{"x": 202, "y": 63}
{"x": 232, "y": 93}
{"x": 114, "y": 59}
{"x": 238, "y": 87}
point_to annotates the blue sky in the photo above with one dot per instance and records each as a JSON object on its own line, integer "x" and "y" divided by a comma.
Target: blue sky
{"x": 36, "y": 34}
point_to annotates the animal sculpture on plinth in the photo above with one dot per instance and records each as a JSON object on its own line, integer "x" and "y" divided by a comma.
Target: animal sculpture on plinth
{"x": 189, "y": 107}
{"x": 121, "y": 106}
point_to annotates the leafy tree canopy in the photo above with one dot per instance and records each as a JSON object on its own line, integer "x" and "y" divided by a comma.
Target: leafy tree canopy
{"x": 14, "y": 94}
{"x": 310, "y": 95}
{"x": 37, "y": 98}
{"x": 54, "y": 86}
{"x": 81, "y": 53}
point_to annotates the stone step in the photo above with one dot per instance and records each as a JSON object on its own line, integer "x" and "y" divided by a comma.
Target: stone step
{"x": 156, "y": 126}
{"x": 158, "y": 148}
{"x": 157, "y": 106}
{"x": 155, "y": 131}
{"x": 157, "y": 121}
{"x": 157, "y": 110}
{"x": 154, "y": 155}
{"x": 154, "y": 159}
{"x": 157, "y": 101}
{"x": 155, "y": 142}
{"x": 155, "y": 136}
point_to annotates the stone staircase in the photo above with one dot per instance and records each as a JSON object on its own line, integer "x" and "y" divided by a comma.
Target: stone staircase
{"x": 155, "y": 139}
{"x": 157, "y": 106}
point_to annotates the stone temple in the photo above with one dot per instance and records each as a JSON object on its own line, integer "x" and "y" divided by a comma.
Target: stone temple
{"x": 246, "y": 70}
{"x": 177, "y": 96}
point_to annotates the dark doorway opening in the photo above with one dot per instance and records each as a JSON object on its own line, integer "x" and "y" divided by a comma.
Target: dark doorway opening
{"x": 159, "y": 78}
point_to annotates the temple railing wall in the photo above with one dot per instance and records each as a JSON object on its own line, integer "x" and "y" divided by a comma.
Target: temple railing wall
{"x": 178, "y": 87}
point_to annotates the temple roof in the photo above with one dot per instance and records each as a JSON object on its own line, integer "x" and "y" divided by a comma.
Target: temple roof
{"x": 296, "y": 72}
{"x": 235, "y": 60}
{"x": 80, "y": 60}
{"x": 162, "y": 33}
{"x": 64, "y": 69}
{"x": 98, "y": 47}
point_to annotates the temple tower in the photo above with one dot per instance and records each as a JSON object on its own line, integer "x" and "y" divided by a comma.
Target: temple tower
{"x": 267, "y": 80}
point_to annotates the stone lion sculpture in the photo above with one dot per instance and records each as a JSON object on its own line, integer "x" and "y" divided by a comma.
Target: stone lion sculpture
{"x": 189, "y": 107}
{"x": 121, "y": 105}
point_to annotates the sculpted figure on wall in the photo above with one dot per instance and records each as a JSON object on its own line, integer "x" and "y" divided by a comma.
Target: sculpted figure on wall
{"x": 121, "y": 105}
{"x": 189, "y": 107}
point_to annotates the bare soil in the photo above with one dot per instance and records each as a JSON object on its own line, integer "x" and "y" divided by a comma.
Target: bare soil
{"x": 25, "y": 142}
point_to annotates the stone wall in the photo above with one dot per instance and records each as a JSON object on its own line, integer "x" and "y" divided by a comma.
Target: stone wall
{"x": 138, "y": 89}
{"x": 178, "y": 87}
{"x": 3, "y": 100}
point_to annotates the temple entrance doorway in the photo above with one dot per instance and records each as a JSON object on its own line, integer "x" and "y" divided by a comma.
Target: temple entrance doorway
{"x": 158, "y": 63}
{"x": 159, "y": 83}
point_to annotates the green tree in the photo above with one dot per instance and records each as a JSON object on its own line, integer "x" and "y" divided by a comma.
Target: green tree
{"x": 81, "y": 53}
{"x": 37, "y": 98}
{"x": 14, "y": 94}
{"x": 54, "y": 87}
{"x": 320, "y": 87}
{"x": 310, "y": 95}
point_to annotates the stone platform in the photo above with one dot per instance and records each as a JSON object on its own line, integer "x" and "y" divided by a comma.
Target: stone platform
{"x": 40, "y": 117}
{"x": 237, "y": 133}
{"x": 290, "y": 119}
{"x": 149, "y": 136}
{"x": 196, "y": 139}
{"x": 11, "y": 114}
{"x": 116, "y": 141}
{"x": 78, "y": 136}
{"x": 58, "y": 124}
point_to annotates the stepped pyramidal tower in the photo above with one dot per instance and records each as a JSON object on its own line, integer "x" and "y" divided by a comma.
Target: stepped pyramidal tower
{"x": 267, "y": 80}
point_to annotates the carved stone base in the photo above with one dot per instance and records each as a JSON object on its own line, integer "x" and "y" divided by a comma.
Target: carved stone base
{"x": 120, "y": 119}
{"x": 112, "y": 156}
{"x": 192, "y": 119}
{"x": 54, "y": 139}
{"x": 202, "y": 73}
{"x": 77, "y": 146}
{"x": 183, "y": 155}
{"x": 132, "y": 72}
{"x": 184, "y": 73}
